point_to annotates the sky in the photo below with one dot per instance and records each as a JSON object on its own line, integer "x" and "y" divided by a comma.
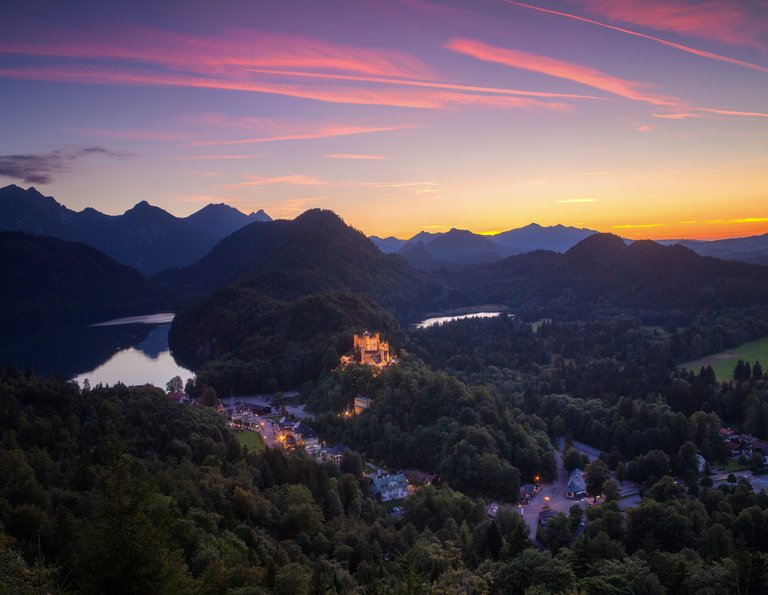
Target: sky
{"x": 645, "y": 118}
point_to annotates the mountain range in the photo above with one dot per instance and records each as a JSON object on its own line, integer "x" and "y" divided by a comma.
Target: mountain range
{"x": 46, "y": 279}
{"x": 151, "y": 239}
{"x": 752, "y": 249}
{"x": 145, "y": 237}
{"x": 455, "y": 248}
{"x": 603, "y": 272}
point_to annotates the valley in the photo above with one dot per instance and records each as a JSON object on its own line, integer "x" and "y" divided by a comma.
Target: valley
{"x": 478, "y": 420}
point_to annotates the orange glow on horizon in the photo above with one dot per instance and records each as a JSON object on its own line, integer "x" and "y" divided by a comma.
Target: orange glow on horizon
{"x": 680, "y": 230}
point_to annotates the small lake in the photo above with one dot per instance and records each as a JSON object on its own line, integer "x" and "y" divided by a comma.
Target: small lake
{"x": 131, "y": 350}
{"x": 442, "y": 319}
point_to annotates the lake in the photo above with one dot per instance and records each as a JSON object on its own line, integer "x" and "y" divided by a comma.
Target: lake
{"x": 441, "y": 319}
{"x": 130, "y": 350}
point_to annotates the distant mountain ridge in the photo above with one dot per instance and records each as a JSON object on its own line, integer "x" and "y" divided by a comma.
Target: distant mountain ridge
{"x": 430, "y": 251}
{"x": 752, "y": 249}
{"x": 221, "y": 219}
{"x": 603, "y": 272}
{"x": 145, "y": 237}
{"x": 423, "y": 251}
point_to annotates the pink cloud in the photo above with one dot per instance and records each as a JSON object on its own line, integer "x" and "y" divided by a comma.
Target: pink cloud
{"x": 677, "y": 116}
{"x": 207, "y": 157}
{"x": 420, "y": 99}
{"x": 428, "y": 84}
{"x": 325, "y": 132}
{"x": 293, "y": 180}
{"x": 700, "y": 112}
{"x": 259, "y": 62}
{"x": 235, "y": 49}
{"x": 585, "y": 75}
{"x": 726, "y": 112}
{"x": 671, "y": 44}
{"x": 723, "y": 21}
{"x": 353, "y": 156}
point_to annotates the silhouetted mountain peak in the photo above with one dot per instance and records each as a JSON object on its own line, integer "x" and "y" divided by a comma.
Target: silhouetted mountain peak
{"x": 645, "y": 246}
{"x": 217, "y": 207}
{"x": 455, "y": 232}
{"x": 599, "y": 245}
{"x": 259, "y": 216}
{"x": 31, "y": 193}
{"x": 146, "y": 212}
{"x": 141, "y": 206}
{"x": 320, "y": 217}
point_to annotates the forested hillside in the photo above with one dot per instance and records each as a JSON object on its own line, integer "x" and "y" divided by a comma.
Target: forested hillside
{"x": 243, "y": 342}
{"x": 124, "y": 491}
{"x": 315, "y": 252}
{"x": 49, "y": 282}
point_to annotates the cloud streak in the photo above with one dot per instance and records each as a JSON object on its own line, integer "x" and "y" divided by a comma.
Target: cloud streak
{"x": 324, "y": 132}
{"x": 736, "y": 221}
{"x": 40, "y": 168}
{"x": 393, "y": 96}
{"x": 292, "y": 180}
{"x": 671, "y": 44}
{"x": 427, "y": 84}
{"x": 261, "y": 62}
{"x": 309, "y": 180}
{"x": 723, "y": 21}
{"x": 582, "y": 74}
{"x": 354, "y": 156}
{"x": 726, "y": 112}
{"x": 234, "y": 50}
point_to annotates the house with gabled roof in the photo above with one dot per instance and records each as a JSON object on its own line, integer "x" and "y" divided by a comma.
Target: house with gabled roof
{"x": 577, "y": 486}
{"x": 390, "y": 487}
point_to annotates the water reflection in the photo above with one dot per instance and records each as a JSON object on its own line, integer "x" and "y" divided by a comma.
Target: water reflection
{"x": 148, "y": 362}
{"x": 441, "y": 319}
{"x": 132, "y": 351}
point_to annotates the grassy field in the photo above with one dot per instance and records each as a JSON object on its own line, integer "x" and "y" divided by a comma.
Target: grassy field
{"x": 724, "y": 362}
{"x": 252, "y": 440}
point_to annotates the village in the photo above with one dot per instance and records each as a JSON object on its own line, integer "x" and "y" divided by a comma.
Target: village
{"x": 282, "y": 423}
{"x": 284, "y": 426}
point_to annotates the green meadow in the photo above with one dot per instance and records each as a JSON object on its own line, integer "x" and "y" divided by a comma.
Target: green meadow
{"x": 252, "y": 440}
{"x": 724, "y": 362}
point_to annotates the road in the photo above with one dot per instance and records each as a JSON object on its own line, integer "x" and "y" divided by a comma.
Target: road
{"x": 553, "y": 494}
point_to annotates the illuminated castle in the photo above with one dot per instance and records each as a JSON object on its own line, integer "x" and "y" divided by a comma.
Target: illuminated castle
{"x": 369, "y": 349}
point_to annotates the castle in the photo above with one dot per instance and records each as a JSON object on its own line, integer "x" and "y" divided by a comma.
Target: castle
{"x": 369, "y": 349}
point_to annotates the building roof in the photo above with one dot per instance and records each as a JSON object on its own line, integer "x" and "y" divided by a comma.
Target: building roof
{"x": 305, "y": 431}
{"x": 576, "y": 483}
{"x": 336, "y": 449}
{"x": 390, "y": 482}
{"x": 545, "y": 515}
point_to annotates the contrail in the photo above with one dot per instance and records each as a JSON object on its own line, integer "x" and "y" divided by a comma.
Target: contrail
{"x": 671, "y": 44}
